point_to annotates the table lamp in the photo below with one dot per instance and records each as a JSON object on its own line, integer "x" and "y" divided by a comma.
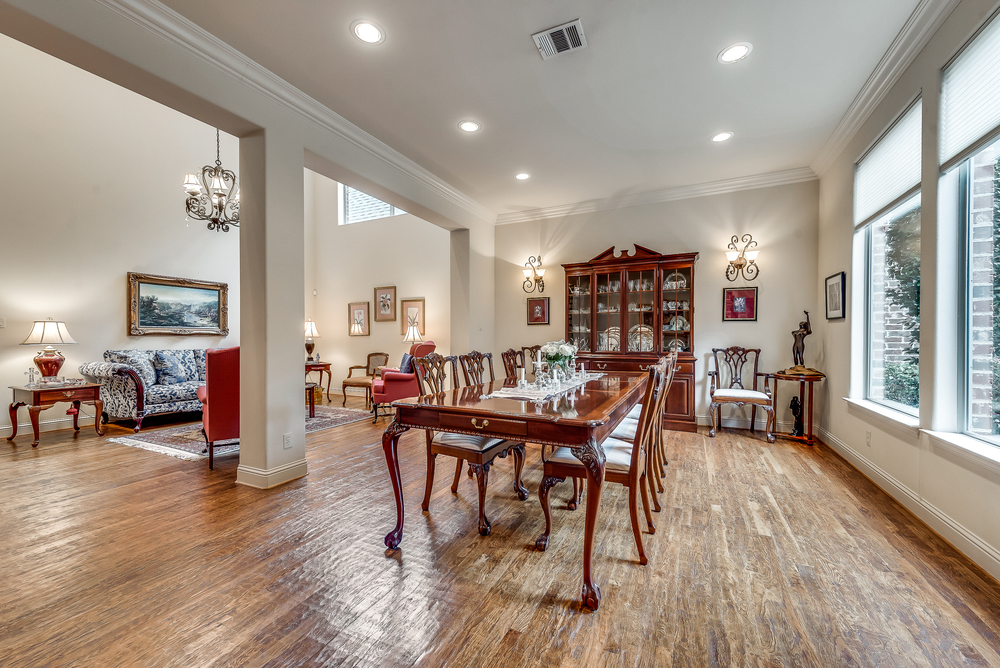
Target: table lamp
{"x": 412, "y": 332}
{"x": 311, "y": 332}
{"x": 49, "y": 332}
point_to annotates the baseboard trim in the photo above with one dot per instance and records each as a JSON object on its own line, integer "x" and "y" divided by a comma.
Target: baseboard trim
{"x": 267, "y": 478}
{"x": 960, "y": 537}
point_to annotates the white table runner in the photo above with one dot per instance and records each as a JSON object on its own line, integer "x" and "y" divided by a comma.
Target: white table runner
{"x": 531, "y": 393}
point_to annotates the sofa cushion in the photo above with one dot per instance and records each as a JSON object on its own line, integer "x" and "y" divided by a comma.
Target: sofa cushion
{"x": 175, "y": 392}
{"x": 199, "y": 363}
{"x": 140, "y": 360}
{"x": 174, "y": 366}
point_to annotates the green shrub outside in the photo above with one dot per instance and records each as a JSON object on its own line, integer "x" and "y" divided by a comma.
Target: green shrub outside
{"x": 902, "y": 383}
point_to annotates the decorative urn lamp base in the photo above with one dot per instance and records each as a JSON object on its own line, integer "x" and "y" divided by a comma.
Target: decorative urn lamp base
{"x": 49, "y": 361}
{"x": 310, "y": 347}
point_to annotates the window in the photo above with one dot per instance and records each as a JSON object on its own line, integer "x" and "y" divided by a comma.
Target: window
{"x": 893, "y": 344}
{"x": 887, "y": 213}
{"x": 359, "y": 207}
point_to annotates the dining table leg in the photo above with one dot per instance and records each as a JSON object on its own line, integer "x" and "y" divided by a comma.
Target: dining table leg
{"x": 390, "y": 447}
{"x": 591, "y": 454}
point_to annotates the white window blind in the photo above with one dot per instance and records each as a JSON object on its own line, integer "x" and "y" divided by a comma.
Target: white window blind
{"x": 970, "y": 95}
{"x": 890, "y": 169}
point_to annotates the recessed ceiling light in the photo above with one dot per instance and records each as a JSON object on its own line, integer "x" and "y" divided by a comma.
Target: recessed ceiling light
{"x": 469, "y": 126}
{"x": 523, "y": 177}
{"x": 367, "y": 32}
{"x": 722, "y": 136}
{"x": 736, "y": 52}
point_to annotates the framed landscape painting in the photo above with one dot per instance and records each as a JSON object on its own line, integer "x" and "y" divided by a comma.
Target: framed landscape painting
{"x": 538, "y": 310}
{"x": 739, "y": 304}
{"x": 358, "y": 319}
{"x": 385, "y": 304}
{"x": 181, "y": 306}
{"x": 412, "y": 311}
{"x": 835, "y": 293}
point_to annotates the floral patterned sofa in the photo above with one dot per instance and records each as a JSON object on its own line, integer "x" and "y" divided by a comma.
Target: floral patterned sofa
{"x": 137, "y": 383}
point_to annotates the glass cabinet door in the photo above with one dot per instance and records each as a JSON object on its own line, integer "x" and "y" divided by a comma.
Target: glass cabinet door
{"x": 579, "y": 312}
{"x": 608, "y": 315}
{"x": 640, "y": 295}
{"x": 677, "y": 309}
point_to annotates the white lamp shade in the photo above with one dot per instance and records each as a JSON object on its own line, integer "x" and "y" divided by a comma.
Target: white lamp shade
{"x": 752, "y": 255}
{"x": 311, "y": 331}
{"x": 357, "y": 329}
{"x": 527, "y": 273}
{"x": 732, "y": 255}
{"x": 540, "y": 272}
{"x": 412, "y": 335}
{"x": 217, "y": 185}
{"x": 191, "y": 183}
{"x": 48, "y": 332}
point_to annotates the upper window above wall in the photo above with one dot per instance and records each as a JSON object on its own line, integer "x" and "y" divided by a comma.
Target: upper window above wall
{"x": 887, "y": 213}
{"x": 358, "y": 207}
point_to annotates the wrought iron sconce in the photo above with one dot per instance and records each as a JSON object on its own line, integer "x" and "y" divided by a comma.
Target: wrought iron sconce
{"x": 742, "y": 261}
{"x": 533, "y": 275}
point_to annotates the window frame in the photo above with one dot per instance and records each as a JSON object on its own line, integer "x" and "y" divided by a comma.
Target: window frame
{"x": 342, "y": 207}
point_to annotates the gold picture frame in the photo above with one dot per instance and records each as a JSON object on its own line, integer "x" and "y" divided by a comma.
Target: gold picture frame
{"x": 166, "y": 305}
{"x": 408, "y": 308}
{"x": 358, "y": 319}
{"x": 385, "y": 304}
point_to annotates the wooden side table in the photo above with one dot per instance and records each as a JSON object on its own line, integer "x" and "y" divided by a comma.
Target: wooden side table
{"x": 38, "y": 399}
{"x": 807, "y": 408}
{"x": 321, "y": 367}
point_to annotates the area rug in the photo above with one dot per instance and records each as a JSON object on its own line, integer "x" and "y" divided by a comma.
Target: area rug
{"x": 186, "y": 441}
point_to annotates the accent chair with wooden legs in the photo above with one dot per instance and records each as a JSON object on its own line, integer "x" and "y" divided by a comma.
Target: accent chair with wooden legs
{"x": 625, "y": 464}
{"x": 375, "y": 360}
{"x": 727, "y": 387}
{"x": 480, "y": 451}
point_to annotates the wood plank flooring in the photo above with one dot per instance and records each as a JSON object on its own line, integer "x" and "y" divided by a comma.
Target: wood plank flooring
{"x": 763, "y": 555}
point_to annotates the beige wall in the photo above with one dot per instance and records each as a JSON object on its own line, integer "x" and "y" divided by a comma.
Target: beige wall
{"x": 950, "y": 487}
{"x": 345, "y": 263}
{"x": 782, "y": 219}
{"x": 90, "y": 182}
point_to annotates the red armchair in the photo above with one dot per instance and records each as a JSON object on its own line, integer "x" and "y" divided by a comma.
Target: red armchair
{"x": 220, "y": 398}
{"x": 394, "y": 385}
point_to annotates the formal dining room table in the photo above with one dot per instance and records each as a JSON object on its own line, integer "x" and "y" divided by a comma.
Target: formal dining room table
{"x": 580, "y": 419}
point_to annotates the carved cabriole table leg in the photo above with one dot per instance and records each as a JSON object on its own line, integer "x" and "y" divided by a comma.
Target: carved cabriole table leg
{"x": 13, "y": 418}
{"x": 591, "y": 454}
{"x": 390, "y": 445}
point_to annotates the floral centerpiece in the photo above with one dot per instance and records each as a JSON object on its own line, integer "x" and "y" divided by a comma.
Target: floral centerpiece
{"x": 559, "y": 353}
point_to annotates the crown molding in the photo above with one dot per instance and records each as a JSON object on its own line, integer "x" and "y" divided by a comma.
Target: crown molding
{"x": 193, "y": 39}
{"x": 912, "y": 38}
{"x": 787, "y": 176}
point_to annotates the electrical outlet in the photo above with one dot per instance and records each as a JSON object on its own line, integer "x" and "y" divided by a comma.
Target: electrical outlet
{"x": 868, "y": 439}
{"x": 286, "y": 442}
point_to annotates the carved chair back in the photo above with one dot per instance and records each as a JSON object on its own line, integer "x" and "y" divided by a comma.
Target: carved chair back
{"x": 645, "y": 432}
{"x": 474, "y": 367}
{"x": 512, "y": 361}
{"x": 432, "y": 372}
{"x": 530, "y": 354}
{"x": 731, "y": 364}
{"x": 375, "y": 360}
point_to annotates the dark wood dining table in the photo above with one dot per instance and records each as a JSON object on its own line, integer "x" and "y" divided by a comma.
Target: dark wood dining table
{"x": 580, "y": 419}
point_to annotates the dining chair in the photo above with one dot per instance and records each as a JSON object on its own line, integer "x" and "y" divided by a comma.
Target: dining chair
{"x": 512, "y": 361}
{"x": 480, "y": 451}
{"x": 474, "y": 367}
{"x": 625, "y": 464}
{"x": 727, "y": 387}
{"x": 375, "y": 360}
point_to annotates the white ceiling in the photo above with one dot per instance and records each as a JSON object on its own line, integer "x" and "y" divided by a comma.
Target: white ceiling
{"x": 632, "y": 113}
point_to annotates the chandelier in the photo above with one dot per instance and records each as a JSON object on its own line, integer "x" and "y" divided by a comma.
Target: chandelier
{"x": 213, "y": 195}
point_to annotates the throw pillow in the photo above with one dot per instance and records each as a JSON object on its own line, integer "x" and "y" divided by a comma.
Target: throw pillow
{"x": 199, "y": 362}
{"x": 406, "y": 366}
{"x": 172, "y": 367}
{"x": 138, "y": 360}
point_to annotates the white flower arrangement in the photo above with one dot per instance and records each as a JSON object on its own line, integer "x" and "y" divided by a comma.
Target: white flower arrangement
{"x": 559, "y": 353}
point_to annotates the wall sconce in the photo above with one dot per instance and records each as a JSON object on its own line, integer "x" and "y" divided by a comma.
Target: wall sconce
{"x": 742, "y": 261}
{"x": 533, "y": 275}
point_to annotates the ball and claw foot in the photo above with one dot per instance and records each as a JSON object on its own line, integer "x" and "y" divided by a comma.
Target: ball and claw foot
{"x": 591, "y": 597}
{"x": 485, "y": 527}
{"x": 393, "y": 538}
{"x": 542, "y": 543}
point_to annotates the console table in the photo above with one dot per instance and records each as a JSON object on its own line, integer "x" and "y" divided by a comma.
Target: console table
{"x": 38, "y": 399}
{"x": 321, "y": 367}
{"x": 807, "y": 408}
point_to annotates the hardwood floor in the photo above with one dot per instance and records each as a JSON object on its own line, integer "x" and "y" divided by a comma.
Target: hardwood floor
{"x": 763, "y": 555}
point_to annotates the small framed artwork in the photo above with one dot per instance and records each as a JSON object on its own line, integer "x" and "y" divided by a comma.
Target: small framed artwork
{"x": 385, "y": 304}
{"x": 182, "y": 306}
{"x": 739, "y": 304}
{"x": 357, "y": 319}
{"x": 412, "y": 311}
{"x": 538, "y": 310}
{"x": 835, "y": 296}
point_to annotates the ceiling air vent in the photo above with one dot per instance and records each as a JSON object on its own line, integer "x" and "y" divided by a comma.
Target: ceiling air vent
{"x": 561, "y": 39}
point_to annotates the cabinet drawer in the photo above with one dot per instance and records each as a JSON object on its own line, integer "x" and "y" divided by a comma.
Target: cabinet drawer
{"x": 686, "y": 368}
{"x": 615, "y": 365}
{"x": 83, "y": 394}
{"x": 486, "y": 425}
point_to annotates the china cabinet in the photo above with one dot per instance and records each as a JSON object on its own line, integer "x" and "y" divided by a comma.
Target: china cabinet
{"x": 625, "y": 311}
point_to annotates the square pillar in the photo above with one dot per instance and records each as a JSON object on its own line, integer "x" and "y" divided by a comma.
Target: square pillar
{"x": 272, "y": 284}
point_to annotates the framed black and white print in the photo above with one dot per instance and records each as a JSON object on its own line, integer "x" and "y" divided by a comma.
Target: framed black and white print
{"x": 835, "y": 296}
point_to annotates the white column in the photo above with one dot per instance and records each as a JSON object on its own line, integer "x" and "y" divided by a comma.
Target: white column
{"x": 272, "y": 267}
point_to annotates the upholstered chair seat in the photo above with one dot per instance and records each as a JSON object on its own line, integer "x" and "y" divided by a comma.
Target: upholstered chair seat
{"x": 749, "y": 396}
{"x": 617, "y": 455}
